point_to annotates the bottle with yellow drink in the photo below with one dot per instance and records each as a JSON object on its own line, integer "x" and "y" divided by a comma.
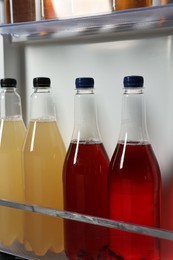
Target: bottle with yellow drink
{"x": 12, "y": 134}
{"x": 43, "y": 157}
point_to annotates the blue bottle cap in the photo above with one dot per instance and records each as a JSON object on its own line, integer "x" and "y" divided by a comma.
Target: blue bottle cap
{"x": 41, "y": 82}
{"x": 133, "y": 82}
{"x": 8, "y": 82}
{"x": 84, "y": 83}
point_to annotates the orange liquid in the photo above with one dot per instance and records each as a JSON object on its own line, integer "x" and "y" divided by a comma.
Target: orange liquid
{"x": 44, "y": 154}
{"x": 127, "y": 4}
{"x": 12, "y": 135}
{"x": 49, "y": 12}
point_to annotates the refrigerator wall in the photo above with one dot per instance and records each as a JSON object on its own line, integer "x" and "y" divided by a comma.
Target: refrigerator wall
{"x": 108, "y": 60}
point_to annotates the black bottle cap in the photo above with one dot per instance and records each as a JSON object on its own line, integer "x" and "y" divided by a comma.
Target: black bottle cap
{"x": 8, "y": 82}
{"x": 84, "y": 83}
{"x": 41, "y": 82}
{"x": 133, "y": 82}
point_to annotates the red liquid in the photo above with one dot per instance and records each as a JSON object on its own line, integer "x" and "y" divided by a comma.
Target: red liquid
{"x": 134, "y": 186}
{"x": 85, "y": 191}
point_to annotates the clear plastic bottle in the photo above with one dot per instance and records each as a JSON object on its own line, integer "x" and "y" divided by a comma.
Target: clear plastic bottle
{"x": 134, "y": 179}
{"x": 17, "y": 11}
{"x": 85, "y": 179}
{"x": 43, "y": 156}
{"x": 12, "y": 134}
{"x": 128, "y": 4}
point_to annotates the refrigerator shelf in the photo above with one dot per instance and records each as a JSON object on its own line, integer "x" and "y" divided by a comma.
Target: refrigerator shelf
{"x": 19, "y": 250}
{"x": 154, "y": 232}
{"x": 139, "y": 20}
{"x": 125, "y": 23}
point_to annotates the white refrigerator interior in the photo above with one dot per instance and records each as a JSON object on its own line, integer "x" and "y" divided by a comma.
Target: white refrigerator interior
{"x": 107, "y": 61}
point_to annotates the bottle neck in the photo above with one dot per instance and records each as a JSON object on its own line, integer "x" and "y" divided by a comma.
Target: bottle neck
{"x": 42, "y": 106}
{"x": 10, "y": 104}
{"x": 133, "y": 124}
{"x": 85, "y": 119}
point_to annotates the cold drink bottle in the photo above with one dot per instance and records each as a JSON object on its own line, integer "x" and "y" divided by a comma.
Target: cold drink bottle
{"x": 134, "y": 179}
{"x": 85, "y": 179}
{"x": 43, "y": 156}
{"x": 12, "y": 134}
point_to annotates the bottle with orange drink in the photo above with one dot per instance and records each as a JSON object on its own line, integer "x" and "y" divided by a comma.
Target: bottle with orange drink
{"x": 128, "y": 4}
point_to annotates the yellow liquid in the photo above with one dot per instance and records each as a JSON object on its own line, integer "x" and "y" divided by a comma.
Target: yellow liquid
{"x": 12, "y": 135}
{"x": 44, "y": 154}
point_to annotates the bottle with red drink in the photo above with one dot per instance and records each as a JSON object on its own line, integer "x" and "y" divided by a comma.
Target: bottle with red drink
{"x": 85, "y": 179}
{"x": 134, "y": 180}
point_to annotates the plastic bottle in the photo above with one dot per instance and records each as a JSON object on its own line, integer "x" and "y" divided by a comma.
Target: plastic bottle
{"x": 12, "y": 134}
{"x": 43, "y": 156}
{"x": 85, "y": 179}
{"x": 128, "y": 4}
{"x": 17, "y": 11}
{"x": 134, "y": 179}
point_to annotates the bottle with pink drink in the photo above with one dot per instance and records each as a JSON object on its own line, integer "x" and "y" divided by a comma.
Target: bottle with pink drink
{"x": 85, "y": 179}
{"x": 134, "y": 179}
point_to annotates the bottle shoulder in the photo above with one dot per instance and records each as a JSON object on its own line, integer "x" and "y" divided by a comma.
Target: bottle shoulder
{"x": 43, "y": 133}
{"x": 134, "y": 160}
{"x": 86, "y": 152}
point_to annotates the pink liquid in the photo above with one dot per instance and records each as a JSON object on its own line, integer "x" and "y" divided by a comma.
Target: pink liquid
{"x": 85, "y": 191}
{"x": 134, "y": 195}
